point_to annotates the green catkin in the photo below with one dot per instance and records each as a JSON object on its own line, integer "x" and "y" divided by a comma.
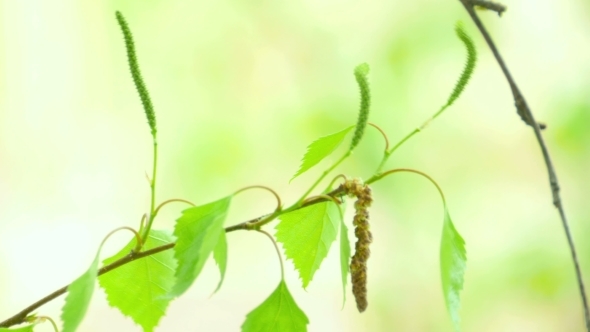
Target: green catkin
{"x": 360, "y": 73}
{"x": 465, "y": 74}
{"x": 136, "y": 74}
{"x": 469, "y": 64}
{"x": 358, "y": 263}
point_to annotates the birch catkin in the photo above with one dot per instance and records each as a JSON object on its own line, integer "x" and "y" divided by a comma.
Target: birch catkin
{"x": 362, "y": 232}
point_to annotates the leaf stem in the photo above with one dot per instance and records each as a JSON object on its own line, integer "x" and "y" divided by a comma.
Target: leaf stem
{"x": 41, "y": 319}
{"x": 324, "y": 174}
{"x": 155, "y": 211}
{"x": 333, "y": 199}
{"x": 388, "y": 153}
{"x": 277, "y": 249}
{"x": 142, "y": 222}
{"x": 172, "y": 201}
{"x": 152, "y": 215}
{"x": 137, "y": 236}
{"x": 259, "y": 222}
{"x": 52, "y": 323}
{"x": 326, "y": 197}
{"x": 382, "y": 133}
{"x": 409, "y": 170}
{"x": 339, "y": 176}
{"x": 279, "y": 204}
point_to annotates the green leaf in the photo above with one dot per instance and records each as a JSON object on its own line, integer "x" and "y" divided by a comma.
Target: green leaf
{"x": 320, "y": 149}
{"x": 452, "y": 267}
{"x": 28, "y": 328}
{"x": 307, "y": 235}
{"x": 79, "y": 294}
{"x": 278, "y": 312}
{"x": 138, "y": 288}
{"x": 220, "y": 256}
{"x": 344, "y": 258}
{"x": 197, "y": 232}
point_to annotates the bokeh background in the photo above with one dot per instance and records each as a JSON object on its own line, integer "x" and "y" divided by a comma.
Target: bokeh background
{"x": 240, "y": 89}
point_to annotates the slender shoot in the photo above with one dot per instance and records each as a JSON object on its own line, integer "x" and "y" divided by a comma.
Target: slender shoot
{"x": 148, "y": 108}
{"x": 457, "y": 90}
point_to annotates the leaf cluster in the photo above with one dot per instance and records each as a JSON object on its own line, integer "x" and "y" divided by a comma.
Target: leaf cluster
{"x": 307, "y": 229}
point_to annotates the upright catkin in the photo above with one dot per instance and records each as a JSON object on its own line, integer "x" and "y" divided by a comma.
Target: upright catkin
{"x": 136, "y": 74}
{"x": 362, "y": 232}
{"x": 360, "y": 73}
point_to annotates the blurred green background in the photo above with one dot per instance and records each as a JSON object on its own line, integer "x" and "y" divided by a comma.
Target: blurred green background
{"x": 240, "y": 89}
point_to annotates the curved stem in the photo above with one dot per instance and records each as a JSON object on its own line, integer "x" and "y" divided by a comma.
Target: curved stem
{"x": 279, "y": 204}
{"x": 326, "y": 197}
{"x": 339, "y": 176}
{"x": 53, "y": 324}
{"x": 333, "y": 199}
{"x": 171, "y": 201}
{"x": 153, "y": 217}
{"x": 390, "y": 152}
{"x": 326, "y": 172}
{"x": 278, "y": 251}
{"x": 47, "y": 318}
{"x": 382, "y": 133}
{"x": 409, "y": 170}
{"x": 329, "y": 198}
{"x": 137, "y": 236}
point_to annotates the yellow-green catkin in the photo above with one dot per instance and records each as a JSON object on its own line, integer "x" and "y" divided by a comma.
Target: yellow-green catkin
{"x": 362, "y": 232}
{"x": 360, "y": 73}
{"x": 136, "y": 74}
{"x": 469, "y": 64}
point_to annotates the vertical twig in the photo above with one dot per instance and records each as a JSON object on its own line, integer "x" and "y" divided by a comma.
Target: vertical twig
{"x": 526, "y": 115}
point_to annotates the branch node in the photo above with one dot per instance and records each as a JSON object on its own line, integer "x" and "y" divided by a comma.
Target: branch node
{"x": 489, "y": 5}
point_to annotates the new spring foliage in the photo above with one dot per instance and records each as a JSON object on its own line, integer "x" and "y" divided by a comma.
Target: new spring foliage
{"x": 307, "y": 236}
{"x": 136, "y": 74}
{"x": 139, "y": 289}
{"x": 143, "y": 289}
{"x": 453, "y": 260}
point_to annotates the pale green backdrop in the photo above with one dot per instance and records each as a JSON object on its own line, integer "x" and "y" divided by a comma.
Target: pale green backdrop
{"x": 240, "y": 89}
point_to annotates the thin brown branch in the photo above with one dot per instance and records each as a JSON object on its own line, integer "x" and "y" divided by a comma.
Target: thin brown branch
{"x": 20, "y": 317}
{"x": 526, "y": 115}
{"x": 490, "y": 5}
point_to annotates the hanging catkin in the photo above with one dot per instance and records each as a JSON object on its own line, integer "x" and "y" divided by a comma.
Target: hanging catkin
{"x": 362, "y": 232}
